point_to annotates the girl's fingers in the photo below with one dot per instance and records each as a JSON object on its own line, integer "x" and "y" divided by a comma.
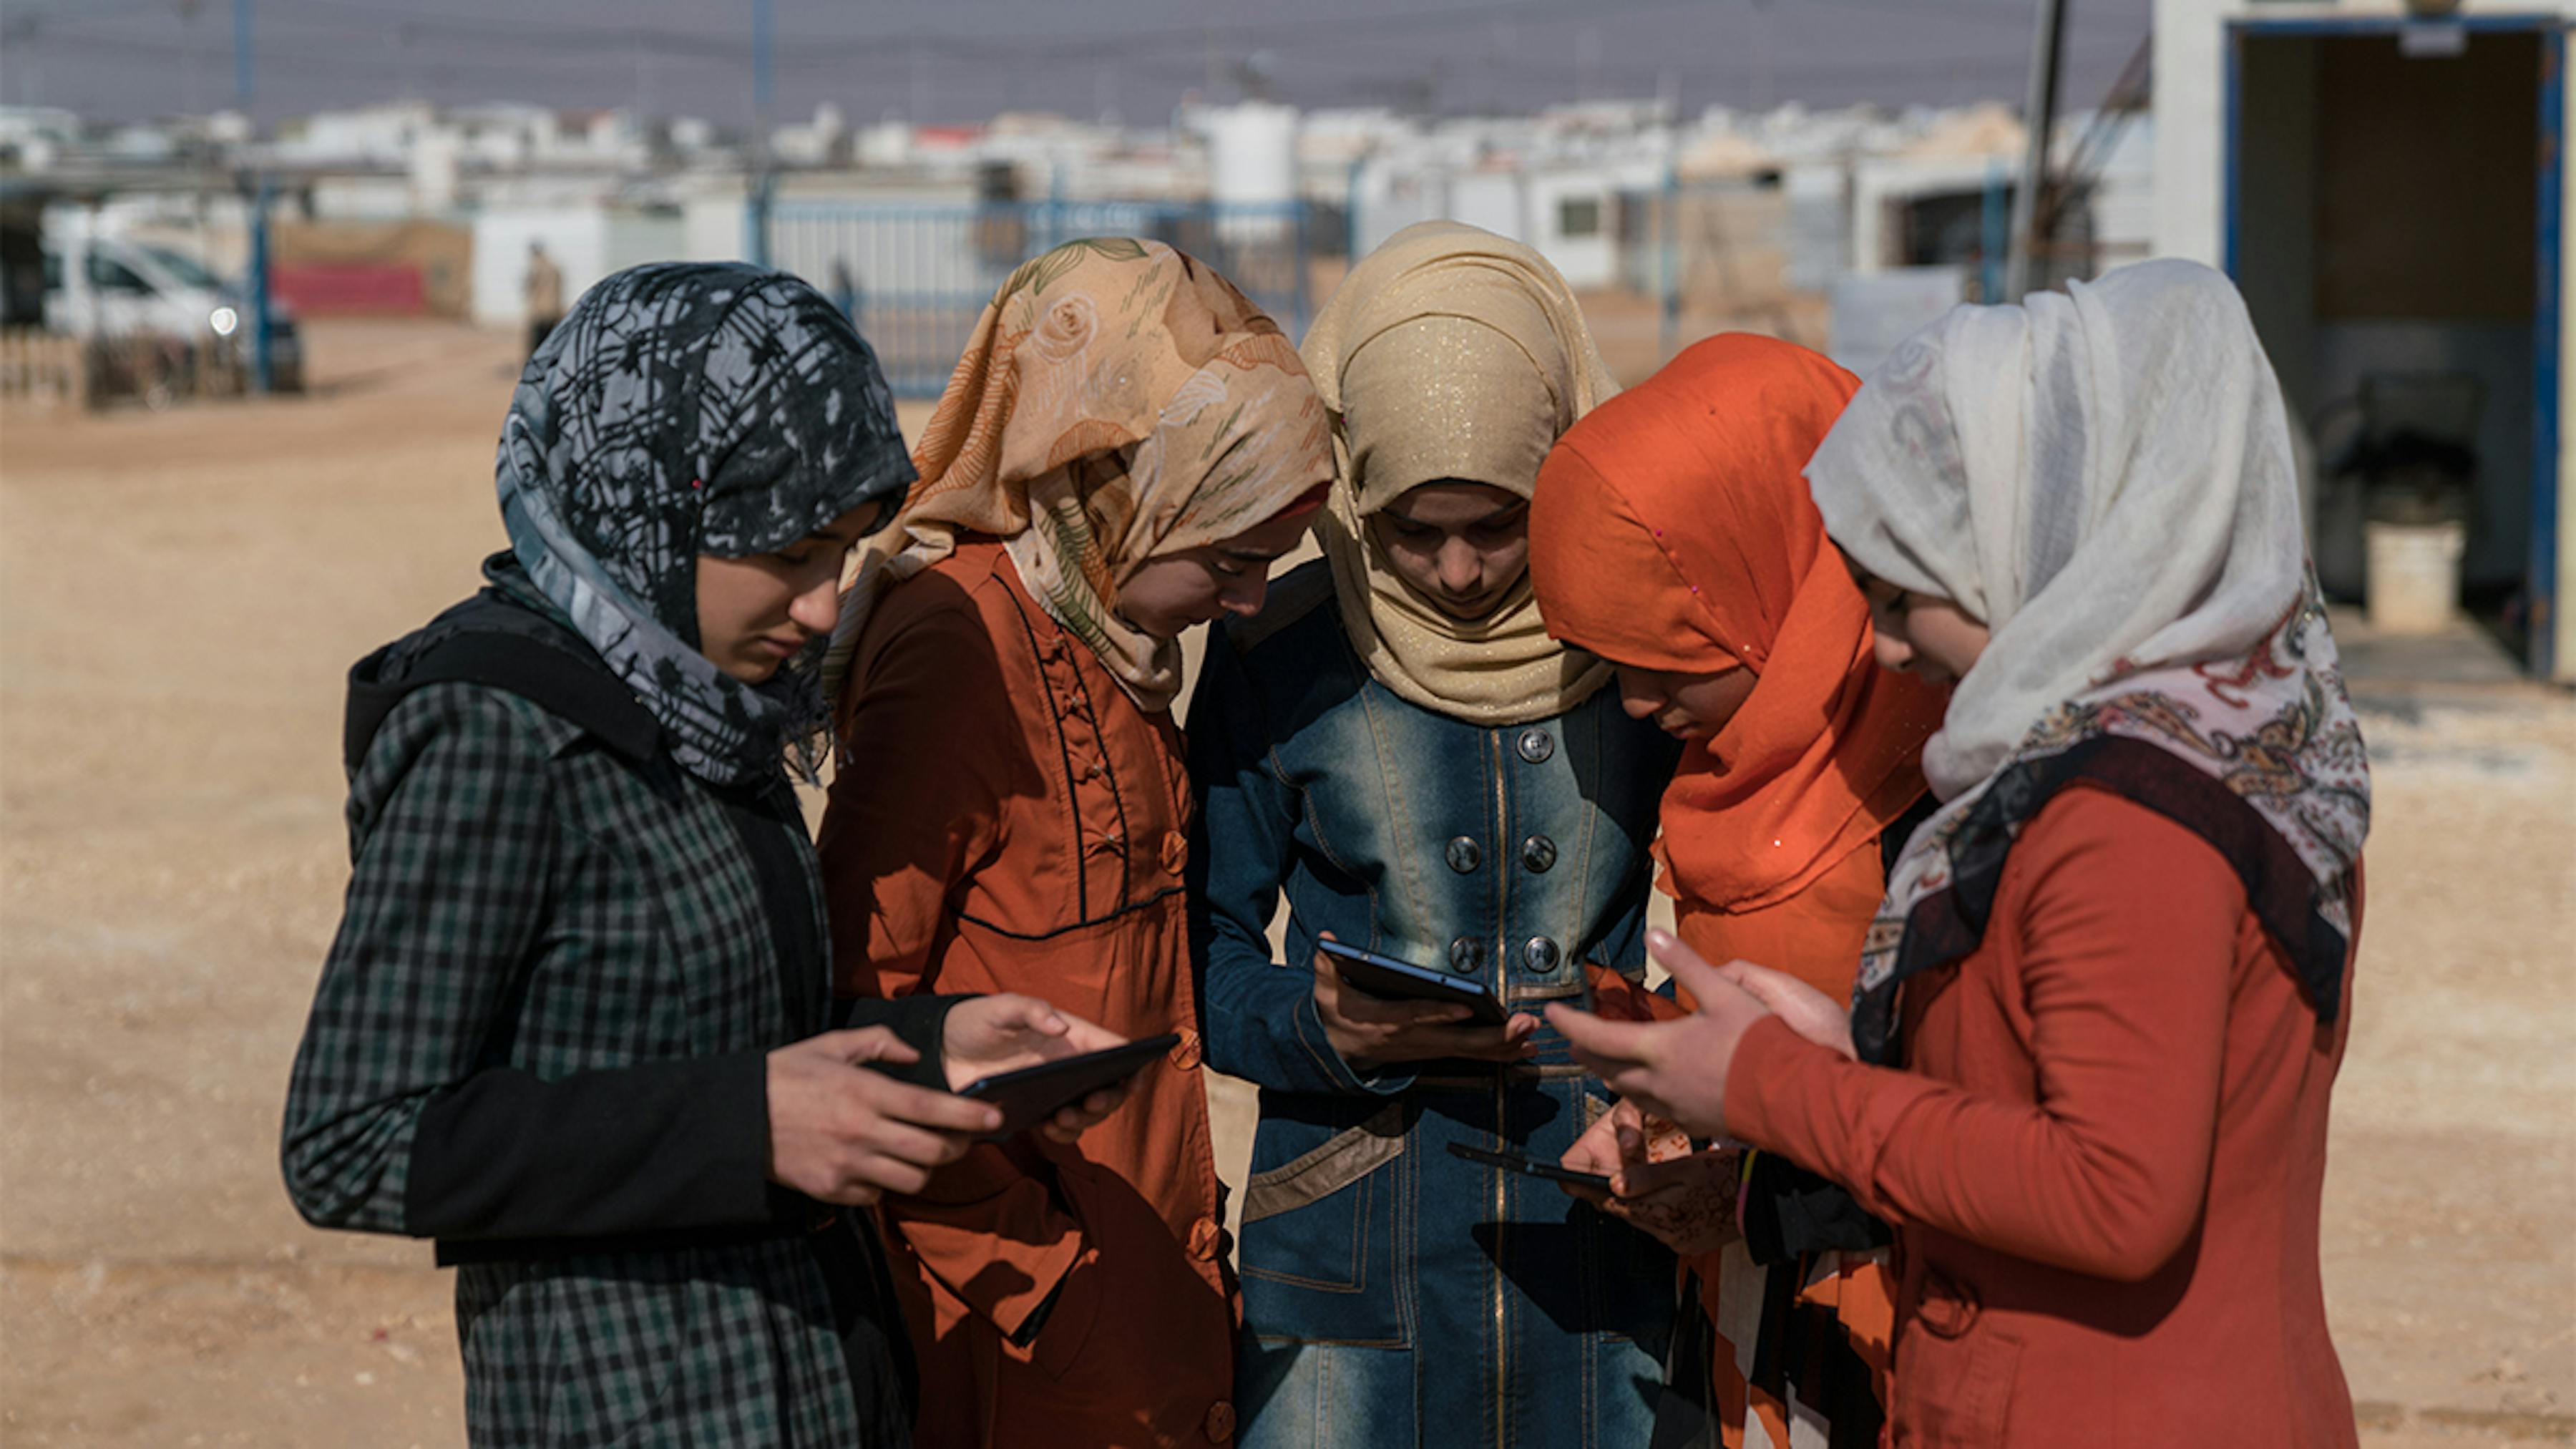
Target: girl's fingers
{"x": 1028, "y": 1013}
{"x": 1598, "y": 1038}
{"x": 1777, "y": 990}
{"x": 887, "y": 1174}
{"x": 939, "y": 1111}
{"x": 1484, "y": 1043}
{"x": 868, "y": 1044}
{"x": 901, "y": 1142}
{"x": 1703, "y": 981}
{"x": 1674, "y": 953}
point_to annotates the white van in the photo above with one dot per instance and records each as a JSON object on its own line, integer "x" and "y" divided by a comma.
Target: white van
{"x": 126, "y": 288}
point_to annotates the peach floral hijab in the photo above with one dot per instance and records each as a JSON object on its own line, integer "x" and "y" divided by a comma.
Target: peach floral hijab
{"x": 1118, "y": 400}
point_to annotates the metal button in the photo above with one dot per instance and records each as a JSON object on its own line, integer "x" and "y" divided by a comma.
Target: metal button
{"x": 1220, "y": 1421}
{"x": 1465, "y": 854}
{"x": 1537, "y": 745}
{"x": 1538, "y": 853}
{"x": 1176, "y": 852}
{"x": 1539, "y": 955}
{"x": 1465, "y": 955}
{"x": 1185, "y": 1053}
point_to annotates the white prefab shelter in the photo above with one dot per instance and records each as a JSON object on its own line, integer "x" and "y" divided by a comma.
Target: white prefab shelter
{"x": 2388, "y": 188}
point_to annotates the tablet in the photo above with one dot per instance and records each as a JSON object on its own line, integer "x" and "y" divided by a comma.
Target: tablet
{"x": 1388, "y": 979}
{"x": 1529, "y": 1166}
{"x": 1031, "y": 1095}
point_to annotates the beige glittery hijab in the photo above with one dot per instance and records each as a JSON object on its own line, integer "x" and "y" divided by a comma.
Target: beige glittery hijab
{"x": 1450, "y": 352}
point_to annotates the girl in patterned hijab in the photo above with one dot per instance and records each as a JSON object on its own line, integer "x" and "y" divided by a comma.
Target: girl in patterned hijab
{"x": 576, "y": 1024}
{"x": 687, "y": 410}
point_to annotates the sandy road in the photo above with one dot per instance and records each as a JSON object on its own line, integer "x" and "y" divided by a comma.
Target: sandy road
{"x": 179, "y": 596}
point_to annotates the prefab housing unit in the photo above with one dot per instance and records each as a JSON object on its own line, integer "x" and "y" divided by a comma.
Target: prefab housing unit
{"x": 2388, "y": 190}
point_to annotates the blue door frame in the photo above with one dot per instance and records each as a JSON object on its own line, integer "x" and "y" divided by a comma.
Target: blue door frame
{"x": 2541, "y": 580}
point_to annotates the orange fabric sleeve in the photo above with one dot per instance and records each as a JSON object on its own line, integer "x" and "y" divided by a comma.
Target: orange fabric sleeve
{"x": 2129, "y": 924}
{"x": 925, "y": 728}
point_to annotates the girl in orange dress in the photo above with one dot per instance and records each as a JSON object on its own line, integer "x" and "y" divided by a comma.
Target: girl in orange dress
{"x": 1673, "y": 536}
{"x": 1124, "y": 448}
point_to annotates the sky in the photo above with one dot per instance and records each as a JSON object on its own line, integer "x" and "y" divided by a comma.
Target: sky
{"x": 954, "y": 61}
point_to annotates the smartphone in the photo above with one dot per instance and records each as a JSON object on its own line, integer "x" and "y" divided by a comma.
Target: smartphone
{"x": 1031, "y": 1095}
{"x": 1529, "y": 1166}
{"x": 1388, "y": 979}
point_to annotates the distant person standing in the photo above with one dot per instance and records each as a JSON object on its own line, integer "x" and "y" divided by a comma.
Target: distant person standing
{"x": 545, "y": 296}
{"x": 845, "y": 289}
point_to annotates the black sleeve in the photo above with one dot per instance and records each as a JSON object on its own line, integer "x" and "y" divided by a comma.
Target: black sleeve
{"x": 660, "y": 1147}
{"x": 920, "y": 1021}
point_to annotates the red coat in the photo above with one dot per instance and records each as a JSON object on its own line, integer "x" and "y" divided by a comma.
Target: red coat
{"x": 1013, "y": 822}
{"x": 2104, "y": 1163}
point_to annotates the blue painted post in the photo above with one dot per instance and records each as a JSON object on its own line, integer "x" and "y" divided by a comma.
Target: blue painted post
{"x": 761, "y": 184}
{"x": 263, "y": 375}
{"x": 241, "y": 54}
{"x": 2548, "y": 329}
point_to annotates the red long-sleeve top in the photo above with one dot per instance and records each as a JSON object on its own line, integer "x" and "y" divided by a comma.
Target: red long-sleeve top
{"x": 2103, "y": 1162}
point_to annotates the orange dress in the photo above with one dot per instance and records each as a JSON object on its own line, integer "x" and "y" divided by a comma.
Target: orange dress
{"x": 1672, "y": 530}
{"x": 2104, "y": 1163}
{"x": 1815, "y": 936}
{"x": 1031, "y": 838}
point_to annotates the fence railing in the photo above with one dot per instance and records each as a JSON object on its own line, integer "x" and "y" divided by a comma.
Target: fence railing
{"x": 916, "y": 276}
{"x": 53, "y": 367}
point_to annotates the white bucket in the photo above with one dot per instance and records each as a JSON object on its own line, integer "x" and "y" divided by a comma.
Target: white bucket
{"x": 2414, "y": 582}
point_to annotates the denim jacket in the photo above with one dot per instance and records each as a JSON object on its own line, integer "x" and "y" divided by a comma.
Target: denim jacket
{"x": 1510, "y": 856}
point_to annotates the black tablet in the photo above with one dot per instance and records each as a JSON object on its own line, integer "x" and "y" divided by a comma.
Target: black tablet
{"x": 1388, "y": 979}
{"x": 1528, "y": 1166}
{"x": 1031, "y": 1095}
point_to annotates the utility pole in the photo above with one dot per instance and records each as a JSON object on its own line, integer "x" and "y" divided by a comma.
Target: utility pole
{"x": 261, "y": 373}
{"x": 763, "y": 180}
{"x": 2045, "y": 50}
{"x": 241, "y": 55}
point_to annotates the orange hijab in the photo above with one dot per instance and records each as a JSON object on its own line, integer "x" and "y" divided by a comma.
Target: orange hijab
{"x": 1672, "y": 530}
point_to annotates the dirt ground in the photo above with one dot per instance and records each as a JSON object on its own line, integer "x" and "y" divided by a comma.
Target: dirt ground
{"x": 180, "y": 594}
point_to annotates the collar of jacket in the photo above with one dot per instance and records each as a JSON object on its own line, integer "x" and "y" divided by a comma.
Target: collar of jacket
{"x": 494, "y": 641}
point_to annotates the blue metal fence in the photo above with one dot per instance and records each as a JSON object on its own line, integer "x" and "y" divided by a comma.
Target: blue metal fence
{"x": 916, "y": 276}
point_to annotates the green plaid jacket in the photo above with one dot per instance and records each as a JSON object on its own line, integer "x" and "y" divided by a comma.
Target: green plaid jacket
{"x": 540, "y": 1038}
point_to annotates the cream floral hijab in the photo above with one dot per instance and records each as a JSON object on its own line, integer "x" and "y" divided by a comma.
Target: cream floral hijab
{"x": 2104, "y": 478}
{"x": 1450, "y": 352}
{"x": 1117, "y": 400}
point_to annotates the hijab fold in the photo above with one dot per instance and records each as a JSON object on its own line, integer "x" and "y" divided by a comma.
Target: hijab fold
{"x": 2104, "y": 479}
{"x": 1450, "y": 353}
{"x": 1118, "y": 400}
{"x": 1673, "y": 532}
{"x": 680, "y": 410}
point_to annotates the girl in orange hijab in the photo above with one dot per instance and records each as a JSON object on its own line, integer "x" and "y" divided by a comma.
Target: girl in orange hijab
{"x": 1673, "y": 536}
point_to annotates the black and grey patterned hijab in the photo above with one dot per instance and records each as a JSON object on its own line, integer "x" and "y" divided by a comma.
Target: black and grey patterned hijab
{"x": 679, "y": 410}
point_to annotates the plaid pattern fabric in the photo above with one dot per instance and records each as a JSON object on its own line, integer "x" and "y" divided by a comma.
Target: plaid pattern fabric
{"x": 524, "y": 898}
